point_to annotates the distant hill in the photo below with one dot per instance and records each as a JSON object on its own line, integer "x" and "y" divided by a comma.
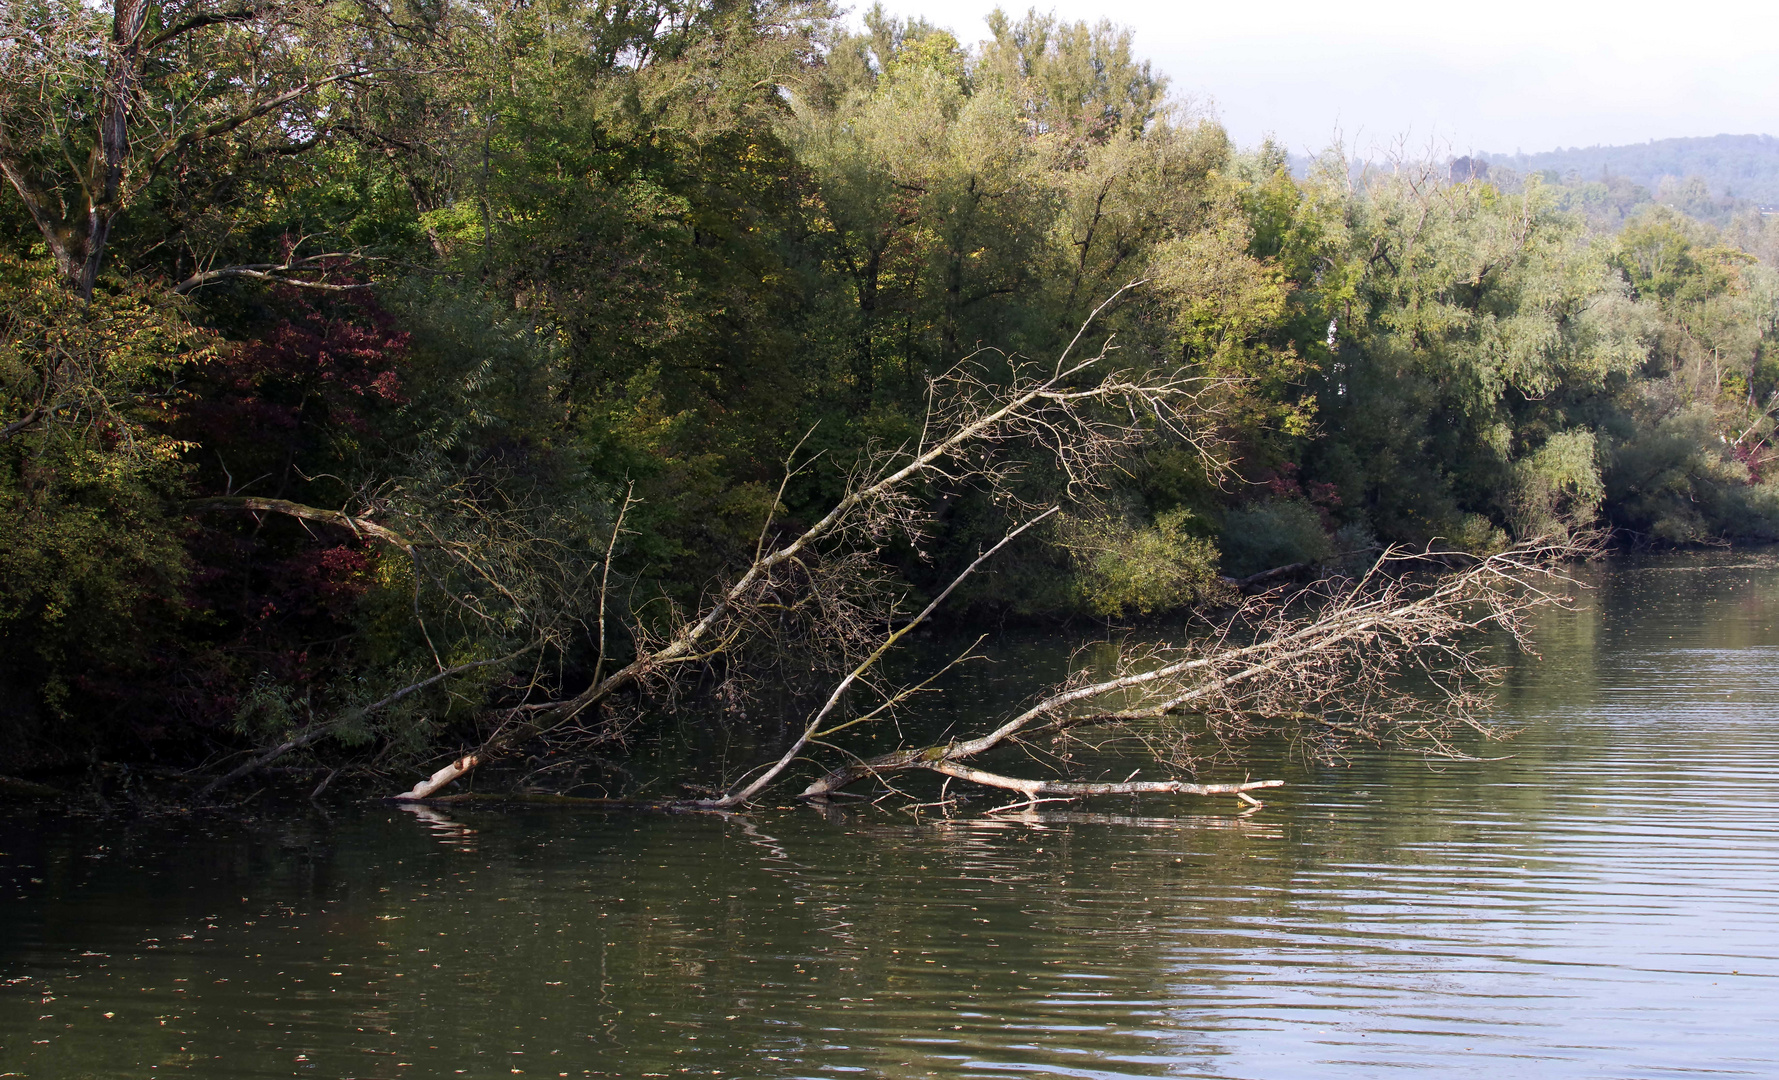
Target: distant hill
{"x": 1741, "y": 167}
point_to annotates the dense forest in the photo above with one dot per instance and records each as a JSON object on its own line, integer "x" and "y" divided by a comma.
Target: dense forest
{"x": 367, "y": 369}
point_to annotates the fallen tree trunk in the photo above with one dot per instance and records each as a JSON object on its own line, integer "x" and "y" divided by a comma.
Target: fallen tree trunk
{"x": 312, "y": 734}
{"x": 1075, "y": 410}
{"x": 1268, "y": 578}
{"x": 319, "y": 731}
{"x": 442, "y": 779}
{"x": 1069, "y": 789}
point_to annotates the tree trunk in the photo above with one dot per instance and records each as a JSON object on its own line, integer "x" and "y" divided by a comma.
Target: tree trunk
{"x": 438, "y": 781}
{"x": 1034, "y": 789}
{"x": 105, "y": 174}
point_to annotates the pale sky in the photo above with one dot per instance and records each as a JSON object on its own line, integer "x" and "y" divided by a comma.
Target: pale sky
{"x": 1500, "y": 75}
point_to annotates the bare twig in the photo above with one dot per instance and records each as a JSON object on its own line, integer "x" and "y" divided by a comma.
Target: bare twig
{"x": 605, "y": 576}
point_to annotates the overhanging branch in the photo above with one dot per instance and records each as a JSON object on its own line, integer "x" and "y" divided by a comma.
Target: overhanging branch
{"x": 251, "y": 504}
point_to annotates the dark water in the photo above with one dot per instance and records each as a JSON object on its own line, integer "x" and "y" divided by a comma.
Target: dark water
{"x": 1603, "y": 904}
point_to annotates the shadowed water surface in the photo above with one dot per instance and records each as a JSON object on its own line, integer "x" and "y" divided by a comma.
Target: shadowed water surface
{"x": 1605, "y": 903}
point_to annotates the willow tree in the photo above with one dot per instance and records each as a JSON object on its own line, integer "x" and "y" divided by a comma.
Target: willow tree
{"x": 991, "y": 194}
{"x": 1697, "y": 463}
{"x": 1452, "y": 326}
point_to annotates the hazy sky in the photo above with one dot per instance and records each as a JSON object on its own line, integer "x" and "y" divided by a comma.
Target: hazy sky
{"x": 1495, "y": 75}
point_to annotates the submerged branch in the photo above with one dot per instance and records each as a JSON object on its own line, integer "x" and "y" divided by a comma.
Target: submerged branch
{"x": 1032, "y": 789}
{"x": 321, "y": 731}
{"x": 742, "y": 795}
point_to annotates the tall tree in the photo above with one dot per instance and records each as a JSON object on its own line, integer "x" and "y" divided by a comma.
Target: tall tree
{"x": 96, "y": 105}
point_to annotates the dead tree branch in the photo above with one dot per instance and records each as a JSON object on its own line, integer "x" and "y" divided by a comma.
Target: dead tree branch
{"x": 1330, "y": 661}
{"x": 743, "y": 794}
{"x": 1034, "y": 789}
{"x": 251, "y": 504}
{"x": 317, "y": 732}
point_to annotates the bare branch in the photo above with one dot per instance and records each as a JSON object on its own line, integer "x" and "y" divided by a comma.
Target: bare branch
{"x": 244, "y": 116}
{"x": 742, "y": 795}
{"x": 270, "y": 272}
{"x": 1331, "y": 656}
{"x": 23, "y": 422}
{"x": 605, "y": 576}
{"x": 358, "y": 525}
{"x": 198, "y": 22}
{"x": 1032, "y": 789}
{"x": 318, "y": 262}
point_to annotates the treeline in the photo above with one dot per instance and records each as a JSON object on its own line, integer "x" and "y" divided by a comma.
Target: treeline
{"x": 1729, "y": 166}
{"x": 1607, "y": 202}
{"x": 358, "y": 359}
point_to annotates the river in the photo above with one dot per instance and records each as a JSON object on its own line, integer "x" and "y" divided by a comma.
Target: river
{"x": 1603, "y": 901}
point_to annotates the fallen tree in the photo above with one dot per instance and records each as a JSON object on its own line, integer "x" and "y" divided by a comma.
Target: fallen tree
{"x": 1327, "y": 660}
{"x": 1399, "y": 655}
{"x": 820, "y": 591}
{"x": 1396, "y": 655}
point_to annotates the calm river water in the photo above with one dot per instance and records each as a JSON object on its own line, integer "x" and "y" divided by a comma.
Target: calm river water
{"x": 1604, "y": 903}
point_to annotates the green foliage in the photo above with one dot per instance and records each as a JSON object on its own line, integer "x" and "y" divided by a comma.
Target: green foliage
{"x": 1450, "y": 324}
{"x": 90, "y": 558}
{"x": 1078, "y": 80}
{"x": 1673, "y": 482}
{"x": 1557, "y": 490}
{"x": 1123, "y": 569}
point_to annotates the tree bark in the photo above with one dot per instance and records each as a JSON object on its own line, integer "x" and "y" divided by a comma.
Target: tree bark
{"x": 105, "y": 176}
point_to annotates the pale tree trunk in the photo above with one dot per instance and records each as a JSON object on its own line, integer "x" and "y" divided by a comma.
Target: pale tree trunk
{"x": 442, "y": 779}
{"x": 1034, "y": 790}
